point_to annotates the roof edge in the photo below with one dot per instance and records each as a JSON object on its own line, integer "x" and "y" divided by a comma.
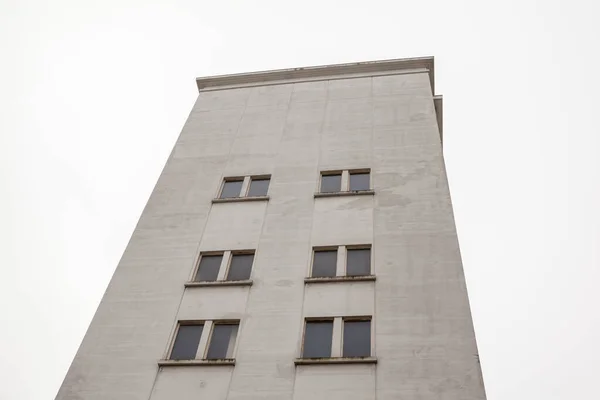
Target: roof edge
{"x": 322, "y": 71}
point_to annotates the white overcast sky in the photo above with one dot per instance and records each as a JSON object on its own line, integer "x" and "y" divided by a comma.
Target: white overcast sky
{"x": 94, "y": 94}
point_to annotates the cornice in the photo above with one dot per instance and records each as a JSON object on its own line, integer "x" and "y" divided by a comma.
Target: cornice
{"x": 318, "y": 73}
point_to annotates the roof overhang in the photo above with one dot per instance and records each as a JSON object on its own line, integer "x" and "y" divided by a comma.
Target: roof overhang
{"x": 335, "y": 71}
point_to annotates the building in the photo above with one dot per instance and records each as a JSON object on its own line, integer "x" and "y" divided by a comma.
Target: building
{"x": 300, "y": 244}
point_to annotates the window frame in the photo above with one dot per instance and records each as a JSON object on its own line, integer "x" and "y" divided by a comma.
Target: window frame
{"x": 179, "y": 324}
{"x": 227, "y": 257}
{"x": 360, "y": 318}
{"x": 341, "y": 271}
{"x": 210, "y": 338}
{"x": 196, "y": 270}
{"x": 232, "y": 254}
{"x": 317, "y": 319}
{"x": 204, "y": 342}
{"x": 345, "y": 177}
{"x": 243, "y": 195}
{"x": 257, "y": 178}
{"x": 317, "y": 249}
{"x": 231, "y": 179}
{"x": 358, "y": 247}
{"x": 331, "y": 173}
{"x": 337, "y": 341}
{"x": 359, "y": 171}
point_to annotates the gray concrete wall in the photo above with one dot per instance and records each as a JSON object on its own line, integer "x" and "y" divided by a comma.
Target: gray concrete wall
{"x": 423, "y": 336}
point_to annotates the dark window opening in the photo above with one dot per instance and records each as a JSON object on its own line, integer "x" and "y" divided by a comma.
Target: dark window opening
{"x": 357, "y": 339}
{"x": 331, "y": 183}
{"x": 240, "y": 267}
{"x": 317, "y": 339}
{"x": 324, "y": 263}
{"x": 231, "y": 189}
{"x": 208, "y": 270}
{"x": 360, "y": 181}
{"x": 222, "y": 341}
{"x": 358, "y": 262}
{"x": 258, "y": 187}
{"x": 186, "y": 342}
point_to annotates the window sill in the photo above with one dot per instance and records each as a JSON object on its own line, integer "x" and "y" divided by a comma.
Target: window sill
{"x": 328, "y": 279}
{"x": 335, "y": 360}
{"x": 246, "y": 282}
{"x": 351, "y": 193}
{"x": 190, "y": 363}
{"x": 238, "y": 199}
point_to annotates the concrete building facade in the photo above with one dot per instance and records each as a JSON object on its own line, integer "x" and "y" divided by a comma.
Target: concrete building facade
{"x": 299, "y": 244}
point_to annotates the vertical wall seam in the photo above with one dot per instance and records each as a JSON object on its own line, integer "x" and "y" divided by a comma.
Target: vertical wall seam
{"x": 242, "y": 322}
{"x": 197, "y": 252}
{"x": 310, "y": 243}
{"x": 196, "y": 259}
{"x": 374, "y": 318}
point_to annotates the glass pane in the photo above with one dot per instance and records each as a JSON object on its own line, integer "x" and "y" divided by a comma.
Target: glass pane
{"x": 258, "y": 187}
{"x": 232, "y": 338}
{"x": 357, "y": 339}
{"x": 221, "y": 343}
{"x": 240, "y": 267}
{"x": 317, "y": 339}
{"x": 209, "y": 268}
{"x": 360, "y": 182}
{"x": 231, "y": 189}
{"x": 331, "y": 183}
{"x": 358, "y": 262}
{"x": 324, "y": 263}
{"x": 186, "y": 342}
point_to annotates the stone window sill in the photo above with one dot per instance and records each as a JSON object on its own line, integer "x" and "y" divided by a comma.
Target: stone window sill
{"x": 189, "y": 363}
{"x": 351, "y": 193}
{"x": 246, "y": 282}
{"x": 335, "y": 360}
{"x": 328, "y": 279}
{"x": 238, "y": 199}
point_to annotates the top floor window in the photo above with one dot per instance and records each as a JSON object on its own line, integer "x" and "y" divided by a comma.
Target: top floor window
{"x": 333, "y": 183}
{"x": 244, "y": 187}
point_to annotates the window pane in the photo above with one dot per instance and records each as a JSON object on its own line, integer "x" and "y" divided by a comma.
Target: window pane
{"x": 358, "y": 262}
{"x": 186, "y": 342}
{"x": 240, "y": 267}
{"x": 231, "y": 189}
{"x": 331, "y": 183}
{"x": 360, "y": 182}
{"x": 209, "y": 268}
{"x": 357, "y": 339}
{"x": 222, "y": 341}
{"x": 324, "y": 263}
{"x": 259, "y": 187}
{"x": 317, "y": 339}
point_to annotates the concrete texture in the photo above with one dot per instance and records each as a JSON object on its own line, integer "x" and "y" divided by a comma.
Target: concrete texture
{"x": 292, "y": 125}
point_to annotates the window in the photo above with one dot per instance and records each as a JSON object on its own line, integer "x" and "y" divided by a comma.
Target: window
{"x": 220, "y": 345}
{"x": 317, "y": 339}
{"x": 242, "y": 188}
{"x": 347, "y": 182}
{"x": 222, "y": 267}
{"x": 357, "y": 338}
{"x": 359, "y": 181}
{"x": 335, "y": 337}
{"x": 324, "y": 263}
{"x": 331, "y": 182}
{"x": 240, "y": 267}
{"x": 222, "y": 341}
{"x": 358, "y": 262}
{"x": 186, "y": 342}
{"x": 231, "y": 188}
{"x": 259, "y": 186}
{"x": 208, "y": 269}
